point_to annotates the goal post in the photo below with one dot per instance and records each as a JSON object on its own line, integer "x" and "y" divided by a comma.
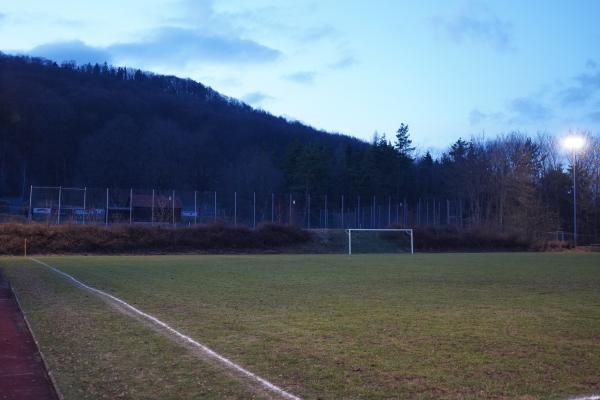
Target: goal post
{"x": 380, "y": 241}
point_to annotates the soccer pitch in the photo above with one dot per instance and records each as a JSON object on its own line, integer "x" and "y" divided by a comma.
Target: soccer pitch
{"x": 424, "y": 326}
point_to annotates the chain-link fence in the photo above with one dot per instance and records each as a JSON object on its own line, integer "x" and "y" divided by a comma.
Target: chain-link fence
{"x": 62, "y": 205}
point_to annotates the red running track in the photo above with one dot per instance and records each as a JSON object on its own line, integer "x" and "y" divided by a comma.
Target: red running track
{"x": 23, "y": 375}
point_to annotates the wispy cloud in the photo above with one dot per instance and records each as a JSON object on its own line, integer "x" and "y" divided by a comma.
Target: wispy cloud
{"x": 167, "y": 46}
{"x": 256, "y": 98}
{"x": 477, "y": 116}
{"x": 584, "y": 87}
{"x": 476, "y": 22}
{"x": 343, "y": 63}
{"x": 74, "y": 50}
{"x": 178, "y": 45}
{"x": 528, "y": 108}
{"x": 303, "y": 77}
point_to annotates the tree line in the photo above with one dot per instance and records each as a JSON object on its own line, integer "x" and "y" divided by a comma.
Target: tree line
{"x": 97, "y": 125}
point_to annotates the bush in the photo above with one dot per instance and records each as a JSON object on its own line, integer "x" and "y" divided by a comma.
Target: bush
{"x": 77, "y": 239}
{"x": 450, "y": 238}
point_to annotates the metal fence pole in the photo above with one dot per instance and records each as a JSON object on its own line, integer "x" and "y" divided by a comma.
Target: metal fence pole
{"x": 173, "y": 207}
{"x": 130, "y": 206}
{"x": 373, "y": 214}
{"x": 30, "y": 201}
{"x": 358, "y": 213}
{"x": 234, "y": 208}
{"x": 272, "y": 207}
{"x": 106, "y": 214}
{"x": 308, "y": 206}
{"x": 253, "y": 210}
{"x": 326, "y": 212}
{"x": 389, "y": 210}
{"x": 447, "y": 212}
{"x": 290, "y": 211}
{"x": 84, "y": 203}
{"x": 152, "y": 212}
{"x": 342, "y": 211}
{"x": 195, "y": 207}
{"x": 59, "y": 199}
{"x": 215, "y": 216}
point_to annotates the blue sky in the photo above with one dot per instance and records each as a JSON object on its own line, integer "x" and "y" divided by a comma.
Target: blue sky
{"x": 447, "y": 68}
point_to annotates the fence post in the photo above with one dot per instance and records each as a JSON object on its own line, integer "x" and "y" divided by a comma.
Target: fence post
{"x": 342, "y": 211}
{"x": 173, "y": 207}
{"x": 234, "y": 208}
{"x": 389, "y": 210}
{"x": 326, "y": 212}
{"x": 308, "y": 206}
{"x": 106, "y": 214}
{"x": 30, "y": 201}
{"x": 358, "y": 213}
{"x": 130, "y": 206}
{"x": 447, "y": 212}
{"x": 290, "y": 211}
{"x": 272, "y": 207}
{"x": 195, "y": 207}
{"x": 373, "y": 214}
{"x": 152, "y": 212}
{"x": 253, "y": 210}
{"x": 59, "y": 199}
{"x": 84, "y": 203}
{"x": 215, "y": 216}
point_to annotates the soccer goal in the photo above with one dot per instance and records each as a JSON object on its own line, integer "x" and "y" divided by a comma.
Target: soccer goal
{"x": 380, "y": 241}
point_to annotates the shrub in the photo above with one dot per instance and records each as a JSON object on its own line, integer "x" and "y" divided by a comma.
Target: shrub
{"x": 74, "y": 239}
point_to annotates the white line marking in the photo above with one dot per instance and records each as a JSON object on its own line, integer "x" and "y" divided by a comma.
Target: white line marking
{"x": 265, "y": 383}
{"x": 592, "y": 397}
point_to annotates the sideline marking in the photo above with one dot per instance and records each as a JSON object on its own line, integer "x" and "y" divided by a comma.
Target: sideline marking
{"x": 265, "y": 383}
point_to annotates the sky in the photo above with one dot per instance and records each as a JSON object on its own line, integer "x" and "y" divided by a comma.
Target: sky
{"x": 449, "y": 69}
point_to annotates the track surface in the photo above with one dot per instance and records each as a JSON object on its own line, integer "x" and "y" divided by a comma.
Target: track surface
{"x": 22, "y": 372}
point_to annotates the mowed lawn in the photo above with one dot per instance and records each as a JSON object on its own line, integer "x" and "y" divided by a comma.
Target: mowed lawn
{"x": 426, "y": 326}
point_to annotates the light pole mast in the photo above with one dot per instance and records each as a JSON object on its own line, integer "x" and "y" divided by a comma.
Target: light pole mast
{"x": 574, "y": 143}
{"x": 574, "y": 198}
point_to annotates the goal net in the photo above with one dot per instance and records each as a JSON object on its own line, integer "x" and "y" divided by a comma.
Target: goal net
{"x": 362, "y": 241}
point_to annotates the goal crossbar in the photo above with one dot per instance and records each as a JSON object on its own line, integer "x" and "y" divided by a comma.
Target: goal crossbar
{"x": 409, "y": 231}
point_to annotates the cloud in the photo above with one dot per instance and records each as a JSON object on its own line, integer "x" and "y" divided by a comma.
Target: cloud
{"x": 317, "y": 33}
{"x": 179, "y": 45}
{"x": 2, "y": 17}
{"x": 528, "y": 109}
{"x": 303, "y": 77}
{"x": 477, "y": 116}
{"x": 256, "y": 98}
{"x": 476, "y": 22}
{"x": 343, "y": 63}
{"x": 74, "y": 50}
{"x": 166, "y": 46}
{"x": 585, "y": 86}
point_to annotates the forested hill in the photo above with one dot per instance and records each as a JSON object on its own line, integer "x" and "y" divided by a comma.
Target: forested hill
{"x": 101, "y": 126}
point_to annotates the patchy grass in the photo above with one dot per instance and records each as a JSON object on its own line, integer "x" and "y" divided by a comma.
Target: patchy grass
{"x": 520, "y": 325}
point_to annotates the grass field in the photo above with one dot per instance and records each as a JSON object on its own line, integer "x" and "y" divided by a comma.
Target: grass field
{"x": 426, "y": 326}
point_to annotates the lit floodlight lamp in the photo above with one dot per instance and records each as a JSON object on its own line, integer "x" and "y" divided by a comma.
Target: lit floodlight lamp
{"x": 573, "y": 142}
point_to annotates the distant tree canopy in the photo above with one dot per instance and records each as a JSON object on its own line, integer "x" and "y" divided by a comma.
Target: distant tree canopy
{"x": 96, "y": 125}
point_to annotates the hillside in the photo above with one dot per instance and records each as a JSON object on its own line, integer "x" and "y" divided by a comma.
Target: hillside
{"x": 102, "y": 126}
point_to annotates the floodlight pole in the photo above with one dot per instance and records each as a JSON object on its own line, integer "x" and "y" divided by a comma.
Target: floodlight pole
{"x": 574, "y": 198}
